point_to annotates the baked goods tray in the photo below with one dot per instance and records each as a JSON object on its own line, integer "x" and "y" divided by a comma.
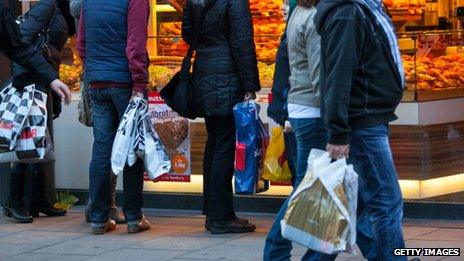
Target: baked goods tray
{"x": 439, "y": 94}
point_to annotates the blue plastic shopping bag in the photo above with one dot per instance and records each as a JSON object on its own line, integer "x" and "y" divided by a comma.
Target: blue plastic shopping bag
{"x": 251, "y": 144}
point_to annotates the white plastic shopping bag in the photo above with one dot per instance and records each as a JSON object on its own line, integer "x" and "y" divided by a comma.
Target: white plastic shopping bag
{"x": 157, "y": 160}
{"x": 136, "y": 138}
{"x": 14, "y": 108}
{"x": 321, "y": 213}
{"x": 34, "y": 142}
{"x": 124, "y": 137}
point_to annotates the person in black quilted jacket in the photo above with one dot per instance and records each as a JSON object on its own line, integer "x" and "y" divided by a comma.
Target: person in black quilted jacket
{"x": 46, "y": 15}
{"x": 225, "y": 73}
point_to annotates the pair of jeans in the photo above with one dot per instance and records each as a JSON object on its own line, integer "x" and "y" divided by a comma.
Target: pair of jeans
{"x": 380, "y": 203}
{"x": 108, "y": 107}
{"x": 309, "y": 134}
{"x": 218, "y": 169}
{"x": 290, "y": 150}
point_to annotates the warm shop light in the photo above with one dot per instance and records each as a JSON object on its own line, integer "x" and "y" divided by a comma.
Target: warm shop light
{"x": 412, "y": 189}
{"x": 165, "y": 8}
{"x": 421, "y": 189}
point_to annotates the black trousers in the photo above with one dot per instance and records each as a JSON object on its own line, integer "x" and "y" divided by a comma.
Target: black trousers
{"x": 218, "y": 169}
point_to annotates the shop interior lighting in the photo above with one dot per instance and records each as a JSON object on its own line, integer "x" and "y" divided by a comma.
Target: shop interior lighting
{"x": 412, "y": 189}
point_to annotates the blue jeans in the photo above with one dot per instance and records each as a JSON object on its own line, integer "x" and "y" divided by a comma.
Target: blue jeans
{"x": 108, "y": 107}
{"x": 309, "y": 134}
{"x": 380, "y": 203}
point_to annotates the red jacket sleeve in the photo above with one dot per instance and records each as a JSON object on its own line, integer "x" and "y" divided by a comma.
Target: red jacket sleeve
{"x": 136, "y": 50}
{"x": 81, "y": 38}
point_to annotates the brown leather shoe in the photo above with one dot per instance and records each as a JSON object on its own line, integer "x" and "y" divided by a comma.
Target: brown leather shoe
{"x": 108, "y": 227}
{"x": 141, "y": 226}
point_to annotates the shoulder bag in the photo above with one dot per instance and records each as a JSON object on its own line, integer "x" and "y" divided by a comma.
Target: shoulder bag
{"x": 179, "y": 93}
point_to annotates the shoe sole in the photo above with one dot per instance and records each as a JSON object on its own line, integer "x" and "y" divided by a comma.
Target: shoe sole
{"x": 217, "y": 231}
{"x": 136, "y": 231}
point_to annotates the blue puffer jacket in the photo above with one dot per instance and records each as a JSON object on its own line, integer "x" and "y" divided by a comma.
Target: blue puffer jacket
{"x": 106, "y": 38}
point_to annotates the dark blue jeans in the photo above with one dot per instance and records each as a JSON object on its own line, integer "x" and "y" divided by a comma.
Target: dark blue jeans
{"x": 108, "y": 106}
{"x": 380, "y": 203}
{"x": 309, "y": 134}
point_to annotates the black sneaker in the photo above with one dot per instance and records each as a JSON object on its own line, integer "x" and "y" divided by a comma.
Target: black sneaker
{"x": 108, "y": 227}
{"x": 141, "y": 226}
{"x": 231, "y": 227}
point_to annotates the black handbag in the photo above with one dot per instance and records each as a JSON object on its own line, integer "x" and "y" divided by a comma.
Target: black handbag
{"x": 179, "y": 92}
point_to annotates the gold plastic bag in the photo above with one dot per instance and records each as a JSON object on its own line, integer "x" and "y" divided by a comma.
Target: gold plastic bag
{"x": 276, "y": 164}
{"x": 321, "y": 214}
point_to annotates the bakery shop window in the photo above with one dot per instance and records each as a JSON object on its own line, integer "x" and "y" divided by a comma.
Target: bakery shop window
{"x": 433, "y": 64}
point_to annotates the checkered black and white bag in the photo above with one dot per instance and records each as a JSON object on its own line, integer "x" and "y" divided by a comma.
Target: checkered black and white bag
{"x": 32, "y": 143}
{"x": 14, "y": 108}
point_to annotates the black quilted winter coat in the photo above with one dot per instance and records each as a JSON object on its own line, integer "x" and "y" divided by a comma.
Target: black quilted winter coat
{"x": 225, "y": 66}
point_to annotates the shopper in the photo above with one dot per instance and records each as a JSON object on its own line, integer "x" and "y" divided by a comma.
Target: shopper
{"x": 44, "y": 16}
{"x": 24, "y": 54}
{"x": 304, "y": 51}
{"x": 277, "y": 109}
{"x": 225, "y": 73}
{"x": 76, "y": 8}
{"x": 362, "y": 80}
{"x": 112, "y": 43}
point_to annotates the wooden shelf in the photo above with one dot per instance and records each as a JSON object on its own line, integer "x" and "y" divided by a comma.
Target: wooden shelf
{"x": 439, "y": 94}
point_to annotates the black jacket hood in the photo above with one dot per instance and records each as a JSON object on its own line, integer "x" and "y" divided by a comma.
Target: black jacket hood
{"x": 324, "y": 7}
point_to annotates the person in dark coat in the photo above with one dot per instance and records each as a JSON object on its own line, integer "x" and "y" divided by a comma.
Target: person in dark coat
{"x": 277, "y": 109}
{"x": 24, "y": 53}
{"x": 225, "y": 73}
{"x": 45, "y": 15}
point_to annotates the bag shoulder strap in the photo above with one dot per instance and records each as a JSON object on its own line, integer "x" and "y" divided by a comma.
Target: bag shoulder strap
{"x": 187, "y": 62}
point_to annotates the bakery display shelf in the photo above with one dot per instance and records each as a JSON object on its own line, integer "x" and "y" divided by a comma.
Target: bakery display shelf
{"x": 439, "y": 94}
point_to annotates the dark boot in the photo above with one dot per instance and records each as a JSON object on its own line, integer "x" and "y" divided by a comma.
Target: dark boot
{"x": 17, "y": 212}
{"x": 38, "y": 199}
{"x": 49, "y": 211}
{"x": 114, "y": 213}
{"x": 14, "y": 207}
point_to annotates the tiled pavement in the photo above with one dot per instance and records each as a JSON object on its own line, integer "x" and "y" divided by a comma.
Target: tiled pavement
{"x": 176, "y": 235}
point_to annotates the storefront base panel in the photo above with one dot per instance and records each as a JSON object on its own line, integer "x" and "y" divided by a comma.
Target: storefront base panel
{"x": 268, "y": 204}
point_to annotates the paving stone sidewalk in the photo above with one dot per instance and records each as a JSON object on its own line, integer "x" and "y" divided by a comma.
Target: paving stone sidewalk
{"x": 176, "y": 235}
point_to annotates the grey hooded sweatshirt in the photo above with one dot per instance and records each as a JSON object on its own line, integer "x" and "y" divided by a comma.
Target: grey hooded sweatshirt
{"x": 304, "y": 52}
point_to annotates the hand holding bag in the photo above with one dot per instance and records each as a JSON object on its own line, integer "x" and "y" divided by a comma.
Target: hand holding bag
{"x": 179, "y": 92}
